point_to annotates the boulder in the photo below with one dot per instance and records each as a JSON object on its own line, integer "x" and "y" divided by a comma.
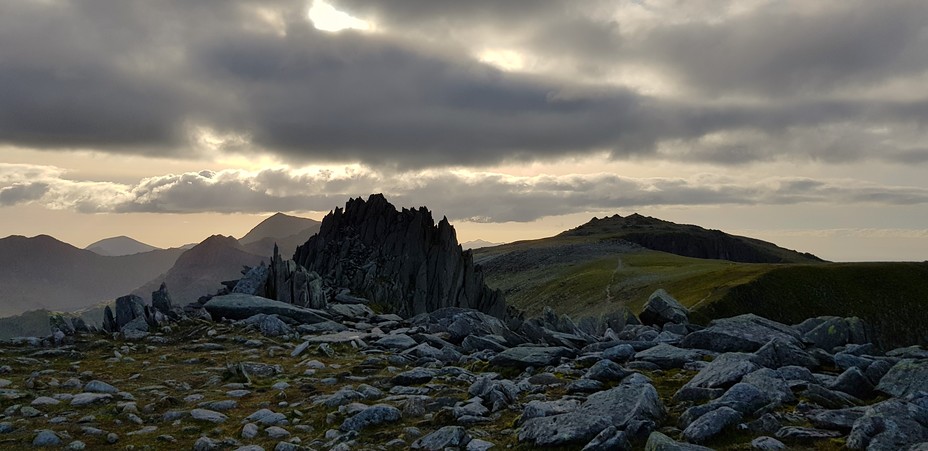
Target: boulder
{"x": 778, "y": 353}
{"x": 662, "y": 308}
{"x": 372, "y": 416}
{"x": 254, "y": 281}
{"x": 610, "y": 439}
{"x": 667, "y": 356}
{"x": 531, "y": 356}
{"x": 711, "y": 424}
{"x": 242, "y": 306}
{"x": 723, "y": 372}
{"x": 660, "y": 442}
{"x": 58, "y": 321}
{"x": 161, "y": 300}
{"x": 633, "y": 401}
{"x": 128, "y": 308}
{"x": 907, "y": 377}
{"x": 855, "y": 383}
{"x": 743, "y": 333}
{"x": 444, "y": 438}
{"x": 837, "y": 420}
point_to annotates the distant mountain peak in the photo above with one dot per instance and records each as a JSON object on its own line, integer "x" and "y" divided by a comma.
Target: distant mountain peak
{"x": 278, "y": 225}
{"x": 686, "y": 240}
{"x": 118, "y": 246}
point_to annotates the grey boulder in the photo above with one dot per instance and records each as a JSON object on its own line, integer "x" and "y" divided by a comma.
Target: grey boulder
{"x": 662, "y": 308}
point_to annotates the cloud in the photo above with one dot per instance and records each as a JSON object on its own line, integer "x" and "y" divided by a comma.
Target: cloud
{"x": 461, "y": 195}
{"x": 718, "y": 82}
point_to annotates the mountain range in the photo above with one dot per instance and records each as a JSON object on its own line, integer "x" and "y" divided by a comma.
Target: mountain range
{"x": 43, "y": 273}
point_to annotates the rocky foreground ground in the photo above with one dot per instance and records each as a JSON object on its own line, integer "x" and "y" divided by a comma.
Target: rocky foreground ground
{"x": 348, "y": 378}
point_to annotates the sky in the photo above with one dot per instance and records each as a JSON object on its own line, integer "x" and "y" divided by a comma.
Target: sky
{"x": 802, "y": 123}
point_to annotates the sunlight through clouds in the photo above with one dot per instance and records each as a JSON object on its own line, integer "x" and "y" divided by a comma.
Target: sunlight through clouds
{"x": 325, "y": 17}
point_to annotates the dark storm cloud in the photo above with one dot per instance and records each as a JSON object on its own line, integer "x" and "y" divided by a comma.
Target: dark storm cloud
{"x": 143, "y": 77}
{"x": 460, "y": 196}
{"x": 22, "y": 192}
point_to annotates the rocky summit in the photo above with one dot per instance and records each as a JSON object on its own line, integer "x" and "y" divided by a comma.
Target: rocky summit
{"x": 399, "y": 259}
{"x": 260, "y": 374}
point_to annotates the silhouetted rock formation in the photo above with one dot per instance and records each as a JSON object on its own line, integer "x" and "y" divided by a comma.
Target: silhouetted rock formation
{"x": 399, "y": 259}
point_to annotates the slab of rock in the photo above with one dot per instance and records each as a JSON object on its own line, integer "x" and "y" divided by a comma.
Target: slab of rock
{"x": 724, "y": 371}
{"x": 372, "y": 416}
{"x": 838, "y": 420}
{"x": 534, "y": 356}
{"x": 779, "y": 353}
{"x": 667, "y": 356}
{"x": 743, "y": 333}
{"x": 854, "y": 382}
{"x": 633, "y": 400}
{"x": 243, "y": 306}
{"x": 86, "y": 399}
{"x": 537, "y": 409}
{"x": 610, "y": 439}
{"x": 447, "y": 437}
{"x": 128, "y": 308}
{"x": 606, "y": 371}
{"x": 267, "y": 417}
{"x": 398, "y": 342}
{"x": 801, "y": 434}
{"x": 892, "y": 424}
{"x": 414, "y": 376}
{"x": 208, "y": 415}
{"x": 711, "y": 424}
{"x": 767, "y": 444}
{"x": 662, "y": 308}
{"x": 660, "y": 442}
{"x": 905, "y": 378}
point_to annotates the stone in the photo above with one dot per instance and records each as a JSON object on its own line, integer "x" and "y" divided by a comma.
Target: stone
{"x": 538, "y": 409}
{"x": 76, "y": 445}
{"x": 243, "y": 306}
{"x": 44, "y": 401}
{"x": 277, "y": 432}
{"x": 660, "y": 442}
{"x": 372, "y": 416}
{"x": 767, "y": 444}
{"x": 531, "y": 356}
{"x": 779, "y": 353}
{"x": 472, "y": 343}
{"x": 772, "y": 383}
{"x": 662, "y": 308}
{"x": 724, "y": 371}
{"x": 711, "y": 424}
{"x": 205, "y": 444}
{"x": 830, "y": 399}
{"x": 802, "y": 434}
{"x": 86, "y": 399}
{"x": 398, "y": 342}
{"x": 666, "y": 356}
{"x": 444, "y": 438}
{"x": 891, "y": 424}
{"x": 478, "y": 445}
{"x": 606, "y": 371}
{"x": 610, "y": 439}
{"x": 905, "y": 378}
{"x": 58, "y": 322}
{"x": 128, "y": 308}
{"x": 161, "y": 300}
{"x": 249, "y": 431}
{"x": 633, "y": 400}
{"x": 837, "y": 420}
{"x": 267, "y": 417}
{"x": 743, "y": 333}
{"x": 208, "y": 415}
{"x": 619, "y": 353}
{"x": 414, "y": 376}
{"x": 46, "y": 438}
{"x": 855, "y": 383}
{"x": 254, "y": 281}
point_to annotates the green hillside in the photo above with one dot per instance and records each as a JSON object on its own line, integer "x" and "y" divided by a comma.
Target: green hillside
{"x": 593, "y": 270}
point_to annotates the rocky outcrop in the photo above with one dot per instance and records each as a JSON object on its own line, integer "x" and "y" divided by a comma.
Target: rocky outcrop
{"x": 399, "y": 259}
{"x": 289, "y": 282}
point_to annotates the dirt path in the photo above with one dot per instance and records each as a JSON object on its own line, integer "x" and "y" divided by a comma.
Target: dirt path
{"x": 618, "y": 267}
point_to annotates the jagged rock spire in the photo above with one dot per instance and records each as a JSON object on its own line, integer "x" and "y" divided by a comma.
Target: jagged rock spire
{"x": 399, "y": 259}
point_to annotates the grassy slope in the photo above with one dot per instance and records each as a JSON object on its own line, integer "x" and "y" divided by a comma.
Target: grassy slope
{"x": 891, "y": 297}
